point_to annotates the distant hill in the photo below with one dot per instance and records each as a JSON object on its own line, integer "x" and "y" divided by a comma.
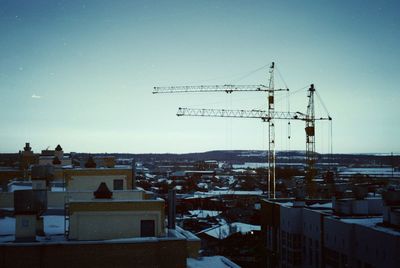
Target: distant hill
{"x": 241, "y": 156}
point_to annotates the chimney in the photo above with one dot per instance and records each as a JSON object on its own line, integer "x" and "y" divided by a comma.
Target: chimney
{"x": 27, "y": 147}
{"x": 171, "y": 208}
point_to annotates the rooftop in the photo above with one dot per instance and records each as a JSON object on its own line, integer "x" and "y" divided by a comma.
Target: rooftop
{"x": 226, "y": 230}
{"x": 373, "y": 223}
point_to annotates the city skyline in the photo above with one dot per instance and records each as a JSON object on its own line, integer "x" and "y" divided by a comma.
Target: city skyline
{"x": 81, "y": 73}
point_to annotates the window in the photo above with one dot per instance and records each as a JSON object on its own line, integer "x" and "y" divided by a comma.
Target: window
{"x": 147, "y": 228}
{"x": 118, "y": 184}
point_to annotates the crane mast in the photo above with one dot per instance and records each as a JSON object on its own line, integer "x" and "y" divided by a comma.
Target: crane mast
{"x": 310, "y": 143}
{"x": 271, "y": 133}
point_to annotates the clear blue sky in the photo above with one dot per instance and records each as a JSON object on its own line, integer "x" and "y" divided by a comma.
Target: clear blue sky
{"x": 80, "y": 73}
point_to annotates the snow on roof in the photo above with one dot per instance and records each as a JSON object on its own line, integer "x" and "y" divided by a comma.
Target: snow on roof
{"x": 226, "y": 230}
{"x": 202, "y": 185}
{"x": 57, "y": 189}
{"x": 204, "y": 213}
{"x": 321, "y": 205}
{"x": 150, "y": 176}
{"x": 15, "y": 185}
{"x": 226, "y": 192}
{"x": 371, "y": 222}
{"x": 221, "y": 188}
{"x": 286, "y": 204}
{"x": 53, "y": 225}
{"x": 252, "y": 165}
{"x": 239, "y": 170}
{"x": 178, "y": 174}
{"x": 212, "y": 261}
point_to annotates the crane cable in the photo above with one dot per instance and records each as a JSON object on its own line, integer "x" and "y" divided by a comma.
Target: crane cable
{"x": 249, "y": 73}
{"x": 291, "y": 94}
{"x": 330, "y": 125}
{"x": 281, "y": 77}
{"x": 323, "y": 104}
{"x": 288, "y": 94}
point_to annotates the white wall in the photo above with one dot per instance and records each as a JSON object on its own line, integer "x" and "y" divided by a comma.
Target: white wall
{"x": 99, "y": 225}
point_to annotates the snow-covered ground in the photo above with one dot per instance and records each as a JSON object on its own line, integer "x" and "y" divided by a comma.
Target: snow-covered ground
{"x": 225, "y": 192}
{"x": 372, "y": 222}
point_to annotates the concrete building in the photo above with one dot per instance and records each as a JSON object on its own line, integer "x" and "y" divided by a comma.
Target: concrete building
{"x": 91, "y": 219}
{"x": 342, "y": 233}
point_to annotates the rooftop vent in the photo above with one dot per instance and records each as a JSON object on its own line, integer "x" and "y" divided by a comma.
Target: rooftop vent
{"x": 103, "y": 192}
{"x": 27, "y": 147}
{"x": 90, "y": 163}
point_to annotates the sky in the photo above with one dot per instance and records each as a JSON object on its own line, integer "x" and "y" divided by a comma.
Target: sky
{"x": 81, "y": 73}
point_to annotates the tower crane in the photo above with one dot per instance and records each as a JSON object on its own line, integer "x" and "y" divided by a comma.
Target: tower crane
{"x": 267, "y": 116}
{"x": 270, "y": 89}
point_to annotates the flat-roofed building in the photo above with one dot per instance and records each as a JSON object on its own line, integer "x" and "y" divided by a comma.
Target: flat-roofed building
{"x": 343, "y": 233}
{"x": 91, "y": 220}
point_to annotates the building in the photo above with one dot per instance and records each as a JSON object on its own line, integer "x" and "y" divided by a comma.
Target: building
{"x": 54, "y": 157}
{"x": 350, "y": 232}
{"x": 91, "y": 219}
